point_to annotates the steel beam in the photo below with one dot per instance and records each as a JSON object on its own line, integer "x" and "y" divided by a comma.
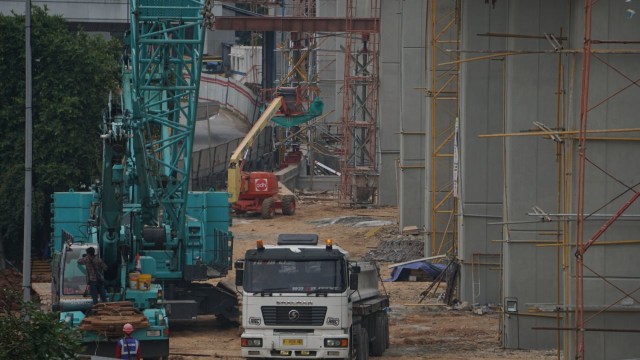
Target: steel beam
{"x": 299, "y": 24}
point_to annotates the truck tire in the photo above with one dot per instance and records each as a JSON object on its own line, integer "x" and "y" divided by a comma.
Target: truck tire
{"x": 380, "y": 341}
{"x": 288, "y": 205}
{"x": 364, "y": 340}
{"x": 360, "y": 348}
{"x": 386, "y": 330}
{"x": 267, "y": 208}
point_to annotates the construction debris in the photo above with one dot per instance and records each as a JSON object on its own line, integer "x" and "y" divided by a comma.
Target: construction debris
{"x": 108, "y": 318}
{"x": 410, "y": 230}
{"x": 403, "y": 248}
{"x": 355, "y": 221}
{"x": 481, "y": 310}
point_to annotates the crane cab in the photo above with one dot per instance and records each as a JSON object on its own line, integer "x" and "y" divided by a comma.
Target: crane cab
{"x": 69, "y": 281}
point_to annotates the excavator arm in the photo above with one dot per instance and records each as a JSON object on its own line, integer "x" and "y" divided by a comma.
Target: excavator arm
{"x": 234, "y": 172}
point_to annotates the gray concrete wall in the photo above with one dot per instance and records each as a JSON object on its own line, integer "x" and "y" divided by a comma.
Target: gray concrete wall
{"x": 531, "y": 271}
{"x": 412, "y": 114}
{"x": 391, "y": 16}
{"x": 481, "y": 112}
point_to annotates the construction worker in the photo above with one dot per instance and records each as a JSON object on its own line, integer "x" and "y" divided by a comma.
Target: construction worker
{"x": 128, "y": 347}
{"x": 95, "y": 267}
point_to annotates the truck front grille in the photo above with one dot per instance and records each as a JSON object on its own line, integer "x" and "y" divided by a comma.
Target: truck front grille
{"x": 294, "y": 315}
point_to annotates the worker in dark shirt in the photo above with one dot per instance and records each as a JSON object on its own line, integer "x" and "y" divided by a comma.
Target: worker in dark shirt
{"x": 95, "y": 267}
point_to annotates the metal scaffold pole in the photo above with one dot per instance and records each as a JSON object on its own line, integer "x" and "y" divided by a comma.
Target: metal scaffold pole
{"x": 26, "y": 256}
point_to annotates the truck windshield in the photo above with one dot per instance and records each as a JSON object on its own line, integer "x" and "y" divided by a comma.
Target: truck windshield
{"x": 74, "y": 280}
{"x": 303, "y": 276}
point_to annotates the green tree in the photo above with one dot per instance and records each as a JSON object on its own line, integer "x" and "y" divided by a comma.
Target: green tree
{"x": 73, "y": 73}
{"x": 42, "y": 336}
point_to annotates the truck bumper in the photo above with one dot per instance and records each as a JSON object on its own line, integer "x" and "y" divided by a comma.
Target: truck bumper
{"x": 148, "y": 348}
{"x": 302, "y": 346}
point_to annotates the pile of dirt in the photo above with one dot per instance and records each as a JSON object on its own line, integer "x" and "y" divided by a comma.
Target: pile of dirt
{"x": 11, "y": 279}
{"x": 398, "y": 249}
{"x": 11, "y": 286}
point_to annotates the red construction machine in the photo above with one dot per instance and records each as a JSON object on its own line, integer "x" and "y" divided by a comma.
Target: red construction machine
{"x": 257, "y": 191}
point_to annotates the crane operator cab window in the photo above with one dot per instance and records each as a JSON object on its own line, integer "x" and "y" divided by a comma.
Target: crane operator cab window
{"x": 74, "y": 280}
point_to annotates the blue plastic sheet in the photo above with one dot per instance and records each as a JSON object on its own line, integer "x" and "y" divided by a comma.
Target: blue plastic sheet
{"x": 401, "y": 272}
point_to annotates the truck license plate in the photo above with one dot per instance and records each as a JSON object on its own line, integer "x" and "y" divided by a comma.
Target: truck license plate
{"x": 290, "y": 342}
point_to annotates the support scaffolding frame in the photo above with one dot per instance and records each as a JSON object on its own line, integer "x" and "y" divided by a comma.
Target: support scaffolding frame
{"x": 444, "y": 30}
{"x": 359, "y": 160}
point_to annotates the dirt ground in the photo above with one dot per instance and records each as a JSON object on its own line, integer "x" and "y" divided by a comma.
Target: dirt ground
{"x": 426, "y": 330}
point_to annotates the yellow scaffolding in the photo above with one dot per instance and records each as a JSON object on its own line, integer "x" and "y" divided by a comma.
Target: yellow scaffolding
{"x": 444, "y": 98}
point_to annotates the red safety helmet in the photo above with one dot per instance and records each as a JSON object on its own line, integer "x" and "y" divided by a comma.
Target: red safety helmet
{"x": 127, "y": 328}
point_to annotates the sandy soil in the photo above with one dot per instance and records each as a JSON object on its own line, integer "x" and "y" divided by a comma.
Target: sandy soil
{"x": 426, "y": 330}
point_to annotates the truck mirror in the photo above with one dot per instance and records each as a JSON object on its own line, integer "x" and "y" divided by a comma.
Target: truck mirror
{"x": 239, "y": 265}
{"x": 353, "y": 281}
{"x": 355, "y": 269}
{"x": 239, "y": 275}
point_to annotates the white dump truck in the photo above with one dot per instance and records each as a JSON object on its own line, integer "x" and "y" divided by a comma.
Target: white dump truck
{"x": 304, "y": 300}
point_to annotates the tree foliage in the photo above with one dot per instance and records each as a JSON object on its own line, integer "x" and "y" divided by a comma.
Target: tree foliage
{"x": 42, "y": 336}
{"x": 73, "y": 73}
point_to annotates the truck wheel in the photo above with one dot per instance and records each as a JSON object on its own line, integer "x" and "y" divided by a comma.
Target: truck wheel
{"x": 380, "y": 341}
{"x": 360, "y": 343}
{"x": 363, "y": 348}
{"x": 288, "y": 205}
{"x": 353, "y": 342}
{"x": 356, "y": 344}
{"x": 386, "y": 330}
{"x": 267, "y": 208}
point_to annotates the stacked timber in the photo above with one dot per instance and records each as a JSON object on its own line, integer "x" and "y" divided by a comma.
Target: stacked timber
{"x": 109, "y": 318}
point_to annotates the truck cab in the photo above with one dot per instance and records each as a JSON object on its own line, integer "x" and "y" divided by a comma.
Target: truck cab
{"x": 299, "y": 300}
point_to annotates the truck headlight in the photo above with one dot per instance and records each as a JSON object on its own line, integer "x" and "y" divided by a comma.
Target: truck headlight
{"x": 251, "y": 342}
{"x": 335, "y": 343}
{"x": 69, "y": 319}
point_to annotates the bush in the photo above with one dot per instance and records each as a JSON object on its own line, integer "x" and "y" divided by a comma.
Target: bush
{"x": 41, "y": 336}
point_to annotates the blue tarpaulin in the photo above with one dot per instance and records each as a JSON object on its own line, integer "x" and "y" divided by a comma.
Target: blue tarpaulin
{"x": 402, "y": 271}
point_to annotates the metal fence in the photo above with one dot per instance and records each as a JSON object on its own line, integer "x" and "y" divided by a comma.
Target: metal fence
{"x": 209, "y": 167}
